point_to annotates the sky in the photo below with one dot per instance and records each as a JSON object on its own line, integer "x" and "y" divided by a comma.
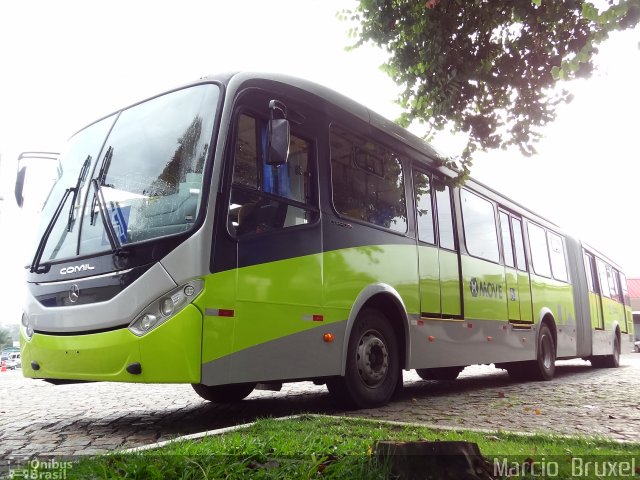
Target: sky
{"x": 64, "y": 64}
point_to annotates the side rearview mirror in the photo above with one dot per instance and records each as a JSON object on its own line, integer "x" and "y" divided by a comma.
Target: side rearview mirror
{"x": 278, "y": 135}
{"x": 22, "y": 171}
{"x": 32, "y": 169}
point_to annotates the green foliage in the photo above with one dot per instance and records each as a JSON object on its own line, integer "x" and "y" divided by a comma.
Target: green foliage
{"x": 487, "y": 68}
{"x": 6, "y": 339}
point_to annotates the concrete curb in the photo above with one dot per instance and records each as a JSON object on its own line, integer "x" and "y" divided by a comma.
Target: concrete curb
{"x": 220, "y": 431}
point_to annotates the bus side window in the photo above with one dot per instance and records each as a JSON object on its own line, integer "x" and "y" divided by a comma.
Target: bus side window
{"x": 518, "y": 241}
{"x": 539, "y": 250}
{"x": 479, "y": 221}
{"x": 367, "y": 181}
{"x": 602, "y": 277}
{"x": 445, "y": 219}
{"x": 507, "y": 242}
{"x": 265, "y": 197}
{"x": 588, "y": 266}
{"x": 424, "y": 207}
{"x": 612, "y": 275}
{"x": 558, "y": 261}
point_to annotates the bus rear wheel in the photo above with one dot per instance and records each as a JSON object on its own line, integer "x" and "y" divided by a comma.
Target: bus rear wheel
{"x": 608, "y": 361}
{"x": 543, "y": 367}
{"x": 372, "y": 365}
{"x": 443, "y": 373}
{"x": 224, "y": 393}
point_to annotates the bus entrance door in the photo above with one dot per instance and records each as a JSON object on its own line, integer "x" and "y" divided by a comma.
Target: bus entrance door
{"x": 518, "y": 284}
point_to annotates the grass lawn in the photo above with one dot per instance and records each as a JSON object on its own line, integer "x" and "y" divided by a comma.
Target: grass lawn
{"x": 343, "y": 448}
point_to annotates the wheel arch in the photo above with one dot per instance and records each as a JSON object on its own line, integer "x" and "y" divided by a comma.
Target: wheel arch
{"x": 385, "y": 298}
{"x": 546, "y": 318}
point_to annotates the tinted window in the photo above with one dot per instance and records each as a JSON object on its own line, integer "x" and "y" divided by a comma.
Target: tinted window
{"x": 367, "y": 181}
{"x": 445, "y": 219}
{"x": 507, "y": 247}
{"x": 539, "y": 251}
{"x": 479, "y": 226}
{"x": 266, "y": 197}
{"x": 422, "y": 188}
{"x": 556, "y": 253}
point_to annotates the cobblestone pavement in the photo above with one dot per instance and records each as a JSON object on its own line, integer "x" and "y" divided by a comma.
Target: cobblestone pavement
{"x": 39, "y": 418}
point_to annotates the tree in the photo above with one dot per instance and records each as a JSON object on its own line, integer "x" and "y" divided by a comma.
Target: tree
{"x": 487, "y": 67}
{"x": 5, "y": 339}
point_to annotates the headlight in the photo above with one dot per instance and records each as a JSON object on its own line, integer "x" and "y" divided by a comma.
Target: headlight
{"x": 165, "y": 307}
{"x": 28, "y": 329}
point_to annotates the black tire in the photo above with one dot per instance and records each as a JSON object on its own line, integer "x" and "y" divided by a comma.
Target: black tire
{"x": 372, "y": 365}
{"x": 544, "y": 366}
{"x": 443, "y": 373}
{"x": 608, "y": 361}
{"x": 224, "y": 393}
{"x": 517, "y": 370}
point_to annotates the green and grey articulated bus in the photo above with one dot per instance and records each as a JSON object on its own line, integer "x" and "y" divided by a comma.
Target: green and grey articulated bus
{"x": 258, "y": 229}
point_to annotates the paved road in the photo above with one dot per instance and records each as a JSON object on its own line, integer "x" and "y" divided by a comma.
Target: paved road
{"x": 38, "y": 418}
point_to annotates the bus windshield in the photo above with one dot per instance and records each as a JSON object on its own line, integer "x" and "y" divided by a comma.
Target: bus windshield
{"x": 147, "y": 162}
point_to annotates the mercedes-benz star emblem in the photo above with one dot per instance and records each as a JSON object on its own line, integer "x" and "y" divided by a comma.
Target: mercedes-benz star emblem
{"x": 74, "y": 293}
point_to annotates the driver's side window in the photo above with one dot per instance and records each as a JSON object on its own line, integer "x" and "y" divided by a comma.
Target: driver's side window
{"x": 264, "y": 197}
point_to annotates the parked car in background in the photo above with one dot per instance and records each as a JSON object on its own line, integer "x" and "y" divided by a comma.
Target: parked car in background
{"x": 14, "y": 361}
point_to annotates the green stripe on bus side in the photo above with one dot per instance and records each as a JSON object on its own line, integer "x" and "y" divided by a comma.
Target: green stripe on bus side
{"x": 554, "y": 295}
{"x": 613, "y": 312}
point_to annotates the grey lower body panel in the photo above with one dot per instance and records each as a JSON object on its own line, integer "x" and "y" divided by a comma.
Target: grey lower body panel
{"x": 442, "y": 343}
{"x": 298, "y": 356}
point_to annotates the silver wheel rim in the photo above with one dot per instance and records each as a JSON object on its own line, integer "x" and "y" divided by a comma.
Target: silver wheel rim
{"x": 547, "y": 354}
{"x": 372, "y": 359}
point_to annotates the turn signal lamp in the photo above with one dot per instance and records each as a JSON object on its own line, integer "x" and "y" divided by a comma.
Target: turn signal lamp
{"x": 165, "y": 307}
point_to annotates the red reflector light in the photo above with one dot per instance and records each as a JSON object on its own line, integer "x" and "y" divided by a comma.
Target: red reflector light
{"x": 317, "y": 318}
{"x": 225, "y": 313}
{"x": 489, "y": 339}
{"x": 469, "y": 325}
{"x": 431, "y": 338}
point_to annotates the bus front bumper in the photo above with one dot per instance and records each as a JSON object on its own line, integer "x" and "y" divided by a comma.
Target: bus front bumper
{"x": 169, "y": 354}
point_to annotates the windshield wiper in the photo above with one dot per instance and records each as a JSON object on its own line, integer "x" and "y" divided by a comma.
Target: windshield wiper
{"x": 76, "y": 191}
{"x": 98, "y": 199}
{"x": 116, "y": 246}
{"x": 102, "y": 175}
{"x": 35, "y": 264}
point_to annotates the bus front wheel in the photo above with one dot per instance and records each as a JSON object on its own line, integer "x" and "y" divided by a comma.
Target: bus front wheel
{"x": 224, "y": 393}
{"x": 372, "y": 366}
